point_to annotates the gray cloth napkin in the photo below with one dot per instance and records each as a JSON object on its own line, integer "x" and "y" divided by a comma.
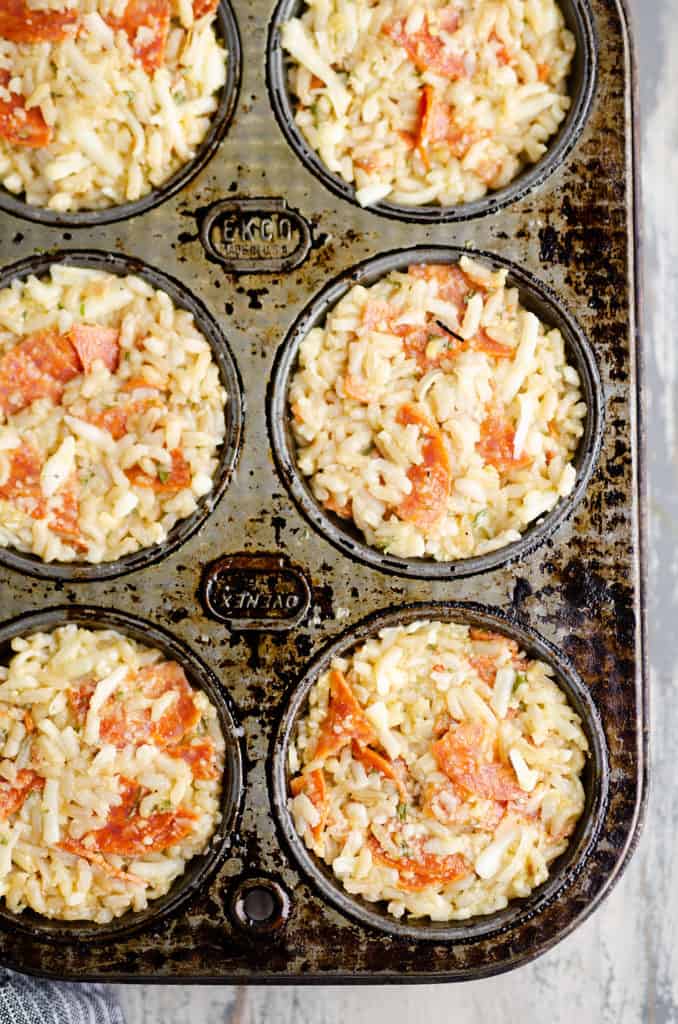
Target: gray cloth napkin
{"x": 25, "y": 1000}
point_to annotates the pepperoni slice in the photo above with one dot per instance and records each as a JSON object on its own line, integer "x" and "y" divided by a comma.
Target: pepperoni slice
{"x": 416, "y": 343}
{"x": 482, "y": 342}
{"x": 345, "y": 719}
{"x": 357, "y": 389}
{"x": 129, "y": 835}
{"x": 200, "y": 756}
{"x": 116, "y": 419}
{"x": 167, "y": 481}
{"x": 40, "y": 366}
{"x": 19, "y": 126}
{"x": 441, "y": 802}
{"x": 434, "y": 122}
{"x": 458, "y": 756}
{"x": 345, "y": 511}
{"x": 138, "y": 836}
{"x": 203, "y": 7}
{"x": 496, "y": 444}
{"x": 66, "y": 513}
{"x": 313, "y": 785}
{"x": 183, "y": 713}
{"x": 122, "y": 726}
{"x": 431, "y": 479}
{"x": 453, "y": 284}
{"x": 79, "y": 849}
{"x": 375, "y": 762}
{"x": 12, "y": 798}
{"x": 146, "y": 24}
{"x": 138, "y": 384}
{"x": 20, "y": 24}
{"x": 22, "y": 487}
{"x": 427, "y": 52}
{"x": 418, "y": 870}
{"x": 92, "y": 343}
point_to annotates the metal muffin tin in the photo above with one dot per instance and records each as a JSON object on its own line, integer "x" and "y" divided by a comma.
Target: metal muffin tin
{"x": 252, "y": 601}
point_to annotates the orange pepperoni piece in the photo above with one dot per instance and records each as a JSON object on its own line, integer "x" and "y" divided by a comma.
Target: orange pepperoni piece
{"x": 66, "y": 513}
{"x": 427, "y": 52}
{"x": 20, "y": 24}
{"x": 497, "y": 436}
{"x": 313, "y": 785}
{"x": 29, "y": 724}
{"x": 79, "y": 849}
{"x": 129, "y": 835}
{"x": 121, "y": 726}
{"x": 203, "y": 7}
{"x": 92, "y": 343}
{"x": 22, "y": 487}
{"x": 431, "y": 479}
{"x": 345, "y": 719}
{"x": 453, "y": 284}
{"x": 357, "y": 389}
{"x": 138, "y": 384}
{"x": 459, "y": 757}
{"x": 200, "y": 756}
{"x": 40, "y": 366}
{"x": 183, "y": 713}
{"x": 418, "y": 870}
{"x": 434, "y": 122}
{"x": 146, "y": 24}
{"x": 138, "y": 836}
{"x": 19, "y": 126}
{"x": 374, "y": 761}
{"x": 12, "y": 798}
{"x": 116, "y": 419}
{"x": 345, "y": 511}
{"x": 482, "y": 342}
{"x": 166, "y": 482}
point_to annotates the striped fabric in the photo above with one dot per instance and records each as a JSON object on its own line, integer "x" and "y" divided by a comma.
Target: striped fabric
{"x": 25, "y": 1000}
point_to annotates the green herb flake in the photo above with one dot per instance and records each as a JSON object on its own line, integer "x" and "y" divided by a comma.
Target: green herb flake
{"x": 82, "y": 309}
{"x": 519, "y": 680}
{"x": 402, "y": 811}
{"x": 180, "y": 98}
{"x": 163, "y": 475}
{"x": 479, "y": 519}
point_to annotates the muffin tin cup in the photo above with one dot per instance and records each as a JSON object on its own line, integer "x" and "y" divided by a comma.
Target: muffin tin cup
{"x": 227, "y": 31}
{"x": 583, "y": 78}
{"x": 228, "y": 452}
{"x": 537, "y": 298}
{"x": 562, "y": 872}
{"x": 200, "y": 869}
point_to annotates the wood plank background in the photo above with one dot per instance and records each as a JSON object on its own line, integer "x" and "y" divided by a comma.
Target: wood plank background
{"x": 621, "y": 967}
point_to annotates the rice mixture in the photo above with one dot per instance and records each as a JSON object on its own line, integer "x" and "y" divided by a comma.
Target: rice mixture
{"x": 436, "y": 412}
{"x": 439, "y": 771}
{"x": 111, "y": 415}
{"x": 110, "y": 774}
{"x": 429, "y": 102}
{"x": 103, "y": 100}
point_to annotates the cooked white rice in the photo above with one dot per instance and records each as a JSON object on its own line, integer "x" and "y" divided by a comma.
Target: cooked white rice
{"x": 120, "y": 746}
{"x": 491, "y": 76}
{"x": 462, "y": 833}
{"x": 116, "y": 130}
{"x": 436, "y": 412}
{"x": 133, "y": 448}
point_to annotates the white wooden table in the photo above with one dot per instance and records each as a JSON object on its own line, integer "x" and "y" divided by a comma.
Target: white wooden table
{"x": 621, "y": 967}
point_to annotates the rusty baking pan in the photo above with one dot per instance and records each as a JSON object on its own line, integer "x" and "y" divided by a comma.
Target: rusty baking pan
{"x": 261, "y": 588}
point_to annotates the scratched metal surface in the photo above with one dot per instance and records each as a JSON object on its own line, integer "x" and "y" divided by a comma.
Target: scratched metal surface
{"x": 581, "y": 590}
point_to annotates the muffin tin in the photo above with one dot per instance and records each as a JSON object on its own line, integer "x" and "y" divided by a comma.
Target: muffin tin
{"x": 254, "y": 594}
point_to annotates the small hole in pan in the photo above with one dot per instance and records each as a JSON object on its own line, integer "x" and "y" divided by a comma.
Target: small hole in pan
{"x": 228, "y": 453}
{"x": 259, "y": 905}
{"x": 227, "y": 31}
{"x": 579, "y": 19}
{"x": 562, "y": 872}
{"x": 200, "y": 868}
{"x": 342, "y": 533}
